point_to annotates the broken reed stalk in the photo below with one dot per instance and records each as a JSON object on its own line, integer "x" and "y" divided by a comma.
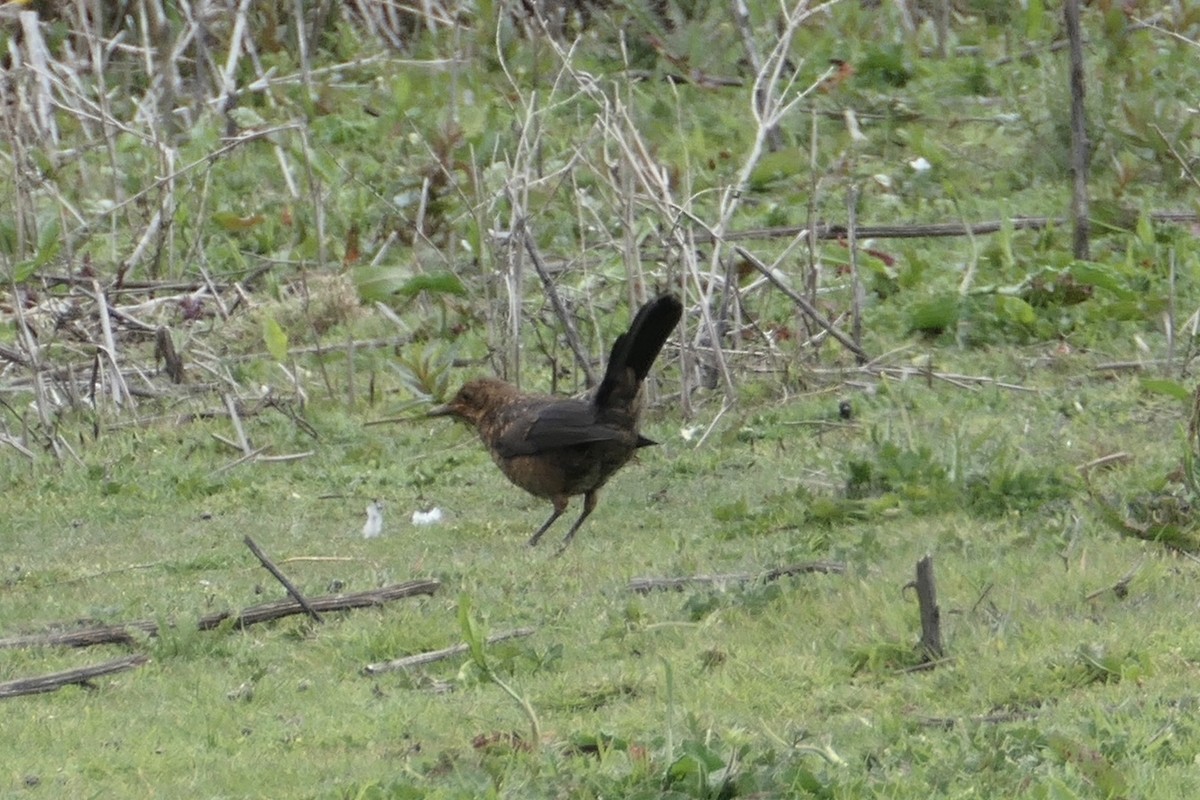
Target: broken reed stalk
{"x": 242, "y": 441}
{"x": 279, "y": 576}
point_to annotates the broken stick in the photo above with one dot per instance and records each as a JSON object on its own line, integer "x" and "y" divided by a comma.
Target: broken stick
{"x": 274, "y": 570}
{"x": 931, "y": 615}
{"x": 57, "y": 680}
{"x": 438, "y": 655}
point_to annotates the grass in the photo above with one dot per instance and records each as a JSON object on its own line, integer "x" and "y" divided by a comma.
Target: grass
{"x": 746, "y": 676}
{"x": 346, "y": 239}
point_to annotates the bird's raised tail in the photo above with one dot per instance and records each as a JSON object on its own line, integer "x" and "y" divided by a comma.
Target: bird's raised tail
{"x": 635, "y": 350}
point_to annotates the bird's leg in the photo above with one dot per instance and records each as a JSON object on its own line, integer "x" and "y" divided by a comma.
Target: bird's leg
{"x": 560, "y": 505}
{"x": 589, "y": 504}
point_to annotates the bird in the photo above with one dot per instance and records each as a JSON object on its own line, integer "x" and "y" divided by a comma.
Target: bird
{"x": 556, "y": 447}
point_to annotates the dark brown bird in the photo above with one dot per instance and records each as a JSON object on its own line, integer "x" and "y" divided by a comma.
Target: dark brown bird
{"x": 556, "y": 447}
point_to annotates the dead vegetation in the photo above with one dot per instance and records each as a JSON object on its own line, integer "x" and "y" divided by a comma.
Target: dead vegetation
{"x": 112, "y": 291}
{"x": 175, "y": 211}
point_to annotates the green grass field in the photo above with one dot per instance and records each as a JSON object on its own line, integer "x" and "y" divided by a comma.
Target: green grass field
{"x": 691, "y": 691}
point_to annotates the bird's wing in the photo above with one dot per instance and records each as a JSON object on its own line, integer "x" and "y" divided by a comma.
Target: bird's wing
{"x": 565, "y": 423}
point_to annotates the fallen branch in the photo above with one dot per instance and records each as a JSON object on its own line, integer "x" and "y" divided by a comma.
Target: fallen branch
{"x": 279, "y": 576}
{"x": 123, "y": 633}
{"x": 646, "y": 585}
{"x": 284, "y": 608}
{"x": 56, "y": 680}
{"x": 438, "y": 655}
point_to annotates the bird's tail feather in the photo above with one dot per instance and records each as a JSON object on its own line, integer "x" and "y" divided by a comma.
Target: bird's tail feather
{"x": 637, "y": 348}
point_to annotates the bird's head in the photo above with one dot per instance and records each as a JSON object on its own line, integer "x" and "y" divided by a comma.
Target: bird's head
{"x": 475, "y": 400}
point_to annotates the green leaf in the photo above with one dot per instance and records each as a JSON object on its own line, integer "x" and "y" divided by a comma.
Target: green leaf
{"x": 474, "y": 121}
{"x": 235, "y": 223}
{"x": 694, "y": 768}
{"x": 1015, "y": 309}
{"x": 1168, "y": 387}
{"x": 378, "y": 283}
{"x": 8, "y": 235}
{"x": 689, "y": 770}
{"x": 381, "y": 283}
{"x": 401, "y": 90}
{"x": 935, "y": 314}
{"x": 434, "y": 283}
{"x": 486, "y": 12}
{"x": 1145, "y": 230}
{"x": 471, "y": 632}
{"x": 23, "y": 270}
{"x": 276, "y": 339}
{"x": 49, "y": 242}
{"x": 778, "y": 165}
{"x": 1035, "y": 19}
{"x": 246, "y": 117}
{"x": 1109, "y": 216}
{"x": 1099, "y": 276}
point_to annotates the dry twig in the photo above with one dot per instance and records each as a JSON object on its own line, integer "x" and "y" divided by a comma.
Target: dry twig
{"x": 646, "y": 585}
{"x": 438, "y": 655}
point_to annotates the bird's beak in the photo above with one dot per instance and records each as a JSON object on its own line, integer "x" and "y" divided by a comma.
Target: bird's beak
{"x": 440, "y": 411}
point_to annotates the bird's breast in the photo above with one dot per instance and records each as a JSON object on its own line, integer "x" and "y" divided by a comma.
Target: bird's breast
{"x": 567, "y": 471}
